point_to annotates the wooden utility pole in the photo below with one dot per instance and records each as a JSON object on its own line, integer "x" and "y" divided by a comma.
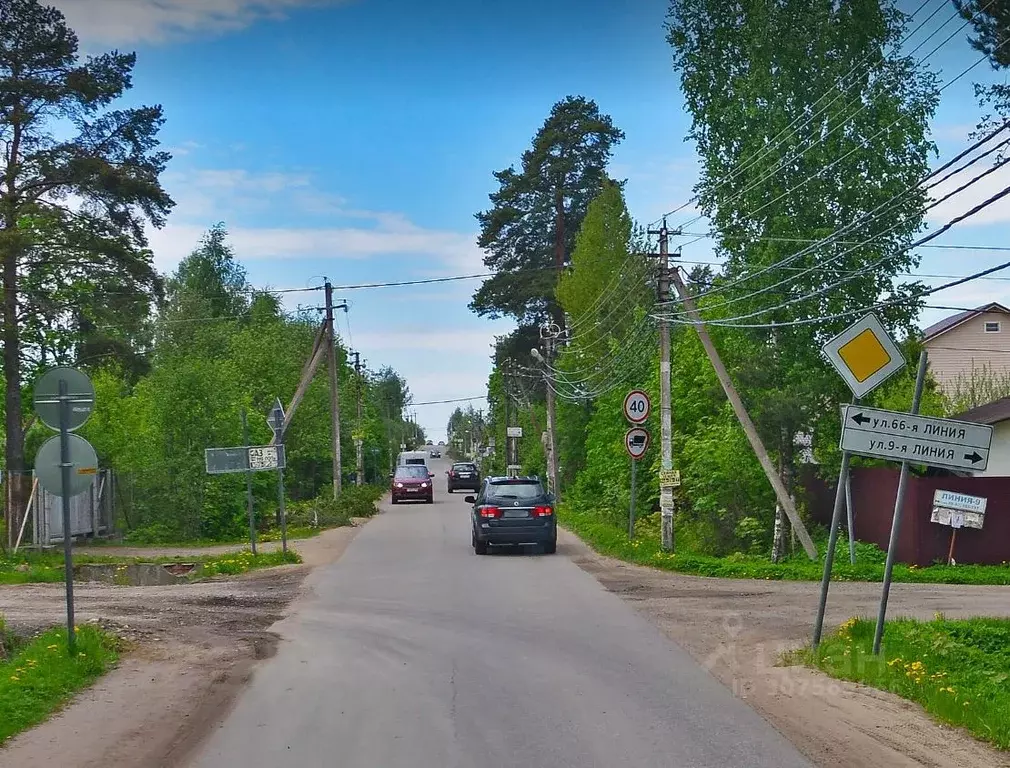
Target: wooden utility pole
{"x": 745, "y": 421}
{"x": 666, "y": 501}
{"x": 359, "y": 444}
{"x": 331, "y": 364}
{"x": 308, "y": 372}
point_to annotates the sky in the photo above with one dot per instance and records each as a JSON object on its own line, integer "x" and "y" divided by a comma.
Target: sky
{"x": 355, "y": 140}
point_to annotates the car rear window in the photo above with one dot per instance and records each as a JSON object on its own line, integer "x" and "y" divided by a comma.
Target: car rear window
{"x": 518, "y": 491}
{"x": 411, "y": 471}
{"x": 464, "y": 467}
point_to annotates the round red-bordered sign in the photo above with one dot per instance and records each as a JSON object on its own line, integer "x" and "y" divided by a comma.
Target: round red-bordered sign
{"x": 637, "y": 407}
{"x": 636, "y": 442}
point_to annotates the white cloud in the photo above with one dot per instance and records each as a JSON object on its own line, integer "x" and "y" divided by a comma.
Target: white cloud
{"x": 962, "y": 202}
{"x": 115, "y": 22}
{"x": 471, "y": 340}
{"x": 239, "y": 197}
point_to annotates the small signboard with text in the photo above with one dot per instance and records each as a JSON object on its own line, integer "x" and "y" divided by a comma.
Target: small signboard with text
{"x": 958, "y": 510}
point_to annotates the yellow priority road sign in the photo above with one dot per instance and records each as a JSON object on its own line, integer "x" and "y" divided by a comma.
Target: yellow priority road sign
{"x": 865, "y": 355}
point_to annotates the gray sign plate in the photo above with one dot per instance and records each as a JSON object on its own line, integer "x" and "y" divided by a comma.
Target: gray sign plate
{"x": 82, "y": 473}
{"x": 917, "y": 439}
{"x": 255, "y": 458}
{"x": 47, "y": 392}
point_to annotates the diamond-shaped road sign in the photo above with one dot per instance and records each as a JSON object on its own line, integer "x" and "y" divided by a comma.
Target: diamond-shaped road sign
{"x": 276, "y": 416}
{"x": 864, "y": 355}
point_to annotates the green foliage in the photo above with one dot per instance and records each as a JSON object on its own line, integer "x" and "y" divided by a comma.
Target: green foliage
{"x": 222, "y": 347}
{"x": 71, "y": 268}
{"x": 244, "y": 561}
{"x": 39, "y": 677}
{"x": 957, "y": 670}
{"x": 611, "y": 539}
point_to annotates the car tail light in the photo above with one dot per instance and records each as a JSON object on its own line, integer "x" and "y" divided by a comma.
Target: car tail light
{"x": 543, "y": 511}
{"x": 490, "y": 512}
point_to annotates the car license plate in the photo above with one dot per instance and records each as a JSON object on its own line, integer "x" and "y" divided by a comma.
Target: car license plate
{"x": 465, "y": 474}
{"x": 517, "y": 513}
{"x": 412, "y": 490}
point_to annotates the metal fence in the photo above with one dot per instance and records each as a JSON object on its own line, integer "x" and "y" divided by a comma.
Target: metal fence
{"x": 34, "y": 516}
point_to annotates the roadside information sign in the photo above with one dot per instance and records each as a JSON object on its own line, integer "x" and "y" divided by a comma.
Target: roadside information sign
{"x": 637, "y": 442}
{"x": 514, "y": 432}
{"x": 669, "y": 478}
{"x": 256, "y": 458}
{"x": 637, "y": 406}
{"x": 925, "y": 440}
{"x": 864, "y": 355}
{"x": 958, "y": 510}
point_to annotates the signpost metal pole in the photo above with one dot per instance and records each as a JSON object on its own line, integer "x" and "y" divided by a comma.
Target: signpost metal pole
{"x": 631, "y": 511}
{"x": 829, "y": 557}
{"x": 248, "y": 485}
{"x": 65, "y": 467}
{"x": 899, "y": 503}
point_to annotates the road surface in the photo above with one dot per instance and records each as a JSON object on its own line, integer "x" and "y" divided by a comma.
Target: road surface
{"x": 413, "y": 652}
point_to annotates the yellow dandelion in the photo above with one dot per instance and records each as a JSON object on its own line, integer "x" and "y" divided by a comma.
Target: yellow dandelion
{"x": 14, "y": 678}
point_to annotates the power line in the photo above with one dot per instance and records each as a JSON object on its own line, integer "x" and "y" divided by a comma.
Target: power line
{"x": 453, "y": 400}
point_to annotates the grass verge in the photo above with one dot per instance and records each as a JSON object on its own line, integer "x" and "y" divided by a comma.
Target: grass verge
{"x": 957, "y": 670}
{"x": 37, "y": 677}
{"x": 609, "y": 540}
{"x": 47, "y": 567}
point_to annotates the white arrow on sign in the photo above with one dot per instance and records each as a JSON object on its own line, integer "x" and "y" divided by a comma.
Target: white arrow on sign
{"x": 636, "y": 441}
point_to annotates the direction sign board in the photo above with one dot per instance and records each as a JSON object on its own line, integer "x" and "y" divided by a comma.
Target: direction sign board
{"x": 83, "y": 470}
{"x": 864, "y": 355}
{"x": 47, "y": 397}
{"x": 636, "y": 441}
{"x": 918, "y": 439}
{"x": 254, "y": 458}
{"x": 514, "y": 432}
{"x": 637, "y": 406}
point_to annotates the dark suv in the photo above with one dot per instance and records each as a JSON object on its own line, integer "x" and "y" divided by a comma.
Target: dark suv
{"x": 512, "y": 511}
{"x": 463, "y": 475}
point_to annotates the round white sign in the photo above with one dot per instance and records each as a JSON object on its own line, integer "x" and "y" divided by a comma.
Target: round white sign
{"x": 636, "y": 440}
{"x": 637, "y": 407}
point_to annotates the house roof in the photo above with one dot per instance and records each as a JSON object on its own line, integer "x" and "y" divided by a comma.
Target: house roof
{"x": 953, "y": 321}
{"x": 990, "y": 413}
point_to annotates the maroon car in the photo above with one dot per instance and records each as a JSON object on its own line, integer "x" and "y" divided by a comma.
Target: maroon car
{"x": 412, "y": 482}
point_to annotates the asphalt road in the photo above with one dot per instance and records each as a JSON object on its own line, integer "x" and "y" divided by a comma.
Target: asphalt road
{"x": 412, "y": 652}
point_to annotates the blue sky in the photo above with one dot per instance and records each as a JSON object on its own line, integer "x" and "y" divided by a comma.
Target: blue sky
{"x": 357, "y": 139}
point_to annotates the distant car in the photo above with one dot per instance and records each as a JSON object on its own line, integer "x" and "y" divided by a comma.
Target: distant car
{"x": 412, "y": 482}
{"x": 441, "y": 442}
{"x": 510, "y": 511}
{"x": 463, "y": 476}
{"x": 435, "y": 453}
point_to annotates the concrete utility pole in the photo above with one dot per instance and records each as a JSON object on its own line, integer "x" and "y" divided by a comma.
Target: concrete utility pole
{"x": 359, "y": 445}
{"x": 744, "y": 418}
{"x": 331, "y": 364}
{"x": 552, "y": 442}
{"x": 666, "y": 501}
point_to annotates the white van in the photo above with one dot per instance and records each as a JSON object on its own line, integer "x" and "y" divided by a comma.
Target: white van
{"x": 413, "y": 457}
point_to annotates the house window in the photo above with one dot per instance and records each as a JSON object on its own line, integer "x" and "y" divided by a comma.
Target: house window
{"x": 992, "y": 326}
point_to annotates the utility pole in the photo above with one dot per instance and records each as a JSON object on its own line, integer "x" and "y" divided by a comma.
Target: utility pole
{"x": 552, "y": 443}
{"x": 744, "y": 418}
{"x": 666, "y": 502}
{"x": 331, "y": 364}
{"x": 359, "y": 441}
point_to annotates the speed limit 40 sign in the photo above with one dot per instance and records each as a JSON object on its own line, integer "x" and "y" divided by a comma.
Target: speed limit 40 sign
{"x": 637, "y": 407}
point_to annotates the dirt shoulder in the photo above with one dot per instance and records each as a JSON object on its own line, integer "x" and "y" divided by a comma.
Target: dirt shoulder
{"x": 737, "y": 629}
{"x": 193, "y": 647}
